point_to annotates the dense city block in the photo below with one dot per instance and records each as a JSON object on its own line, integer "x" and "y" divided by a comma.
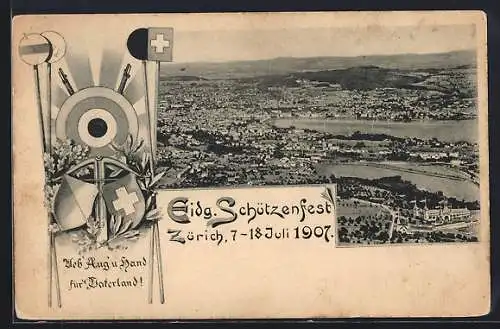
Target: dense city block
{"x": 351, "y": 126}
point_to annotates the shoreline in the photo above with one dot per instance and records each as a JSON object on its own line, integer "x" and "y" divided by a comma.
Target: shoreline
{"x": 376, "y": 121}
{"x": 394, "y": 166}
{"x": 329, "y": 167}
{"x": 451, "y": 131}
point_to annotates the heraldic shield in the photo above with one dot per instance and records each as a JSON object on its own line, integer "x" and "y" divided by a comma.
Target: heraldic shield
{"x": 74, "y": 202}
{"x": 77, "y": 198}
{"x": 124, "y": 198}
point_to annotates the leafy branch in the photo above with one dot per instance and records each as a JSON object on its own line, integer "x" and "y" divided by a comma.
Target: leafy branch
{"x": 64, "y": 155}
{"x": 87, "y": 238}
{"x": 120, "y": 230}
{"x": 153, "y": 215}
{"x": 140, "y": 162}
{"x": 128, "y": 150}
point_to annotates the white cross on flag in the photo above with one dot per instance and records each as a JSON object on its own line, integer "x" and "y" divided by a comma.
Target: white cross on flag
{"x": 124, "y": 198}
{"x": 160, "y": 44}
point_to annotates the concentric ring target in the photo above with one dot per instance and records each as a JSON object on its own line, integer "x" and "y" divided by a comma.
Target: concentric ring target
{"x": 96, "y": 117}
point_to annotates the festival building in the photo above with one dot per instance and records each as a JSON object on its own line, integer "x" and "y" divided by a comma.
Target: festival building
{"x": 440, "y": 216}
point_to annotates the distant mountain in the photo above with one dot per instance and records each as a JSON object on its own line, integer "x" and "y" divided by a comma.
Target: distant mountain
{"x": 363, "y": 77}
{"x": 367, "y": 78}
{"x": 287, "y": 65}
{"x": 183, "y": 78}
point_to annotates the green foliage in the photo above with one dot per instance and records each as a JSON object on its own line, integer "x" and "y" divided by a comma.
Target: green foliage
{"x": 86, "y": 239}
{"x": 129, "y": 150}
{"x": 120, "y": 230}
{"x": 64, "y": 155}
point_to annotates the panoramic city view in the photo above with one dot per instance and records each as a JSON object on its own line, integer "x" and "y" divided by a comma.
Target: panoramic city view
{"x": 397, "y": 133}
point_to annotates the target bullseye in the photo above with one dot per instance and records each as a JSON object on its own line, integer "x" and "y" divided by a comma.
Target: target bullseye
{"x": 97, "y": 127}
{"x": 97, "y": 117}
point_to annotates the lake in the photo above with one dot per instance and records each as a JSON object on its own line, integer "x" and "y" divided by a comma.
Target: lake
{"x": 453, "y": 188}
{"x": 448, "y": 131}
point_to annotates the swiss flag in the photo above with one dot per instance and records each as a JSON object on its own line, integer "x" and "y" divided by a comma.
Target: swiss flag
{"x": 124, "y": 198}
{"x": 152, "y": 44}
{"x": 160, "y": 43}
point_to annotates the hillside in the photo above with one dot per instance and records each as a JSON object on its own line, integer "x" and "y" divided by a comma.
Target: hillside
{"x": 362, "y": 77}
{"x": 288, "y": 65}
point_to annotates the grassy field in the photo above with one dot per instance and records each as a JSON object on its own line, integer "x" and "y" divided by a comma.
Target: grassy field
{"x": 362, "y": 223}
{"x": 350, "y": 208}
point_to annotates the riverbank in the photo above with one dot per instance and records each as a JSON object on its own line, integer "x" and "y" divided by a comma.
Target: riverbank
{"x": 447, "y": 131}
{"x": 450, "y": 184}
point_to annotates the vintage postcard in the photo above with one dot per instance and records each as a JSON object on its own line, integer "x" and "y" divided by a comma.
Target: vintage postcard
{"x": 250, "y": 165}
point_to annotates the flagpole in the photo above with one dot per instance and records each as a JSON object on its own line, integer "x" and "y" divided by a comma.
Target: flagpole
{"x": 152, "y": 127}
{"x": 152, "y": 124}
{"x": 148, "y": 45}
{"x": 155, "y": 246}
{"x": 151, "y": 167}
{"x": 39, "y": 104}
{"x": 159, "y": 263}
{"x": 49, "y": 108}
{"x": 58, "y": 288}
{"x": 36, "y": 57}
{"x": 52, "y": 259}
{"x": 151, "y": 264}
{"x": 50, "y": 264}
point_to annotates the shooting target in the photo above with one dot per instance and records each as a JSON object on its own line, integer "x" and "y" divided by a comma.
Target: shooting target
{"x": 96, "y": 117}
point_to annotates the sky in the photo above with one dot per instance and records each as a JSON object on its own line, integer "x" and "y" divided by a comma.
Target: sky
{"x": 232, "y": 45}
